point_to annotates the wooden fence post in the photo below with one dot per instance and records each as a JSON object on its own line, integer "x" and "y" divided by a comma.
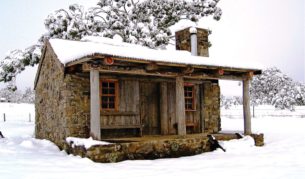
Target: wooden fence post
{"x": 4, "y": 117}
{"x": 29, "y": 117}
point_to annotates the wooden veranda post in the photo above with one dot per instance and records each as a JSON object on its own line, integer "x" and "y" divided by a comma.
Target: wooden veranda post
{"x": 246, "y": 106}
{"x": 180, "y": 105}
{"x": 95, "y": 124}
{"x": 163, "y": 108}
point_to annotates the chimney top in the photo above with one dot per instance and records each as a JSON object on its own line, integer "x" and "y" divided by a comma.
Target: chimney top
{"x": 199, "y": 36}
{"x": 193, "y": 30}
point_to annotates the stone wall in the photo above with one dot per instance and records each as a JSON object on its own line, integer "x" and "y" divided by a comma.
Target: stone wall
{"x": 61, "y": 102}
{"x": 211, "y": 100}
{"x": 77, "y": 105}
{"x": 49, "y": 97}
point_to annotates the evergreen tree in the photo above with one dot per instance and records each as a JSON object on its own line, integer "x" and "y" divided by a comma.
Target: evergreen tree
{"x": 141, "y": 22}
{"x": 18, "y": 96}
{"x": 228, "y": 101}
{"x": 275, "y": 88}
{"x": 28, "y": 96}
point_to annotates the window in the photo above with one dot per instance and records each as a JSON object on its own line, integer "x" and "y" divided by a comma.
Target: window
{"x": 109, "y": 94}
{"x": 189, "y": 97}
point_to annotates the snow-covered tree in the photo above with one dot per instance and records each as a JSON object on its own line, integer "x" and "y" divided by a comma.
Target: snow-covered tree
{"x": 17, "y": 60}
{"x": 142, "y": 22}
{"x": 9, "y": 95}
{"x": 28, "y": 96}
{"x": 275, "y": 88}
{"x": 300, "y": 94}
{"x": 228, "y": 101}
{"x": 18, "y": 96}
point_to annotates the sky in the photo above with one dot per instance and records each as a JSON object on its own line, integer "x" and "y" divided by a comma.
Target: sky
{"x": 270, "y": 32}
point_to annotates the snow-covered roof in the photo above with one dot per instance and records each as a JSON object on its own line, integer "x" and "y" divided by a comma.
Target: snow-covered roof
{"x": 70, "y": 51}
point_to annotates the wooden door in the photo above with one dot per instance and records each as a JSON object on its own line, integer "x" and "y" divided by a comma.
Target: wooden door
{"x": 149, "y": 108}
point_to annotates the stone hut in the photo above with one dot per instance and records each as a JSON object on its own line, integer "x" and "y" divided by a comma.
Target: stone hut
{"x": 104, "y": 89}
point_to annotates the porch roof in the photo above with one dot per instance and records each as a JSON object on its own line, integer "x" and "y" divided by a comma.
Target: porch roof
{"x": 73, "y": 52}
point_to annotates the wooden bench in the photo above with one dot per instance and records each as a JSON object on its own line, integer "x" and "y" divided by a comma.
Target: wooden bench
{"x": 139, "y": 127}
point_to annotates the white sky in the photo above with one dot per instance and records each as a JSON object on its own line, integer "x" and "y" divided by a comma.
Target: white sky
{"x": 271, "y": 32}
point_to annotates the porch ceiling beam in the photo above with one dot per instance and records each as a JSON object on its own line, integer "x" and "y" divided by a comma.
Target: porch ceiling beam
{"x": 160, "y": 63}
{"x": 142, "y": 71}
{"x": 185, "y": 65}
{"x": 131, "y": 71}
{"x": 152, "y": 67}
{"x": 216, "y": 77}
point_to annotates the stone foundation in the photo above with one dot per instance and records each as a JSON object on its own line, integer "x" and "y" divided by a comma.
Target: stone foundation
{"x": 151, "y": 147}
{"x": 258, "y": 139}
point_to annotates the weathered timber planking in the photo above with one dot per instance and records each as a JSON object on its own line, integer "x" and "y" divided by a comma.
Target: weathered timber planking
{"x": 128, "y": 113}
{"x": 207, "y": 105}
{"x": 122, "y": 101}
{"x": 163, "y": 108}
{"x": 149, "y": 97}
{"x": 171, "y": 98}
{"x": 196, "y": 113}
{"x": 202, "y": 123}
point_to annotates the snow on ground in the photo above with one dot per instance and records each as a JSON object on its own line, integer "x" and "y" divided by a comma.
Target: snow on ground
{"x": 17, "y": 112}
{"x": 263, "y": 111}
{"x": 22, "y": 156}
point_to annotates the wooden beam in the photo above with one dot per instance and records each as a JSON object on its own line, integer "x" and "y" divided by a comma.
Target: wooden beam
{"x": 188, "y": 70}
{"x": 152, "y": 67}
{"x": 95, "y": 124}
{"x": 163, "y": 108}
{"x": 138, "y": 71}
{"x": 215, "y": 77}
{"x": 75, "y": 62}
{"x": 180, "y": 106}
{"x": 246, "y": 106}
{"x": 165, "y": 64}
{"x": 129, "y": 70}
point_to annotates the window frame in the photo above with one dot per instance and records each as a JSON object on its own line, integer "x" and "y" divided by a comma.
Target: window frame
{"x": 192, "y": 97}
{"x": 116, "y": 94}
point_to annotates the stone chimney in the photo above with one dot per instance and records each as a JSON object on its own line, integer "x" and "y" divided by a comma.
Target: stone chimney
{"x": 194, "y": 40}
